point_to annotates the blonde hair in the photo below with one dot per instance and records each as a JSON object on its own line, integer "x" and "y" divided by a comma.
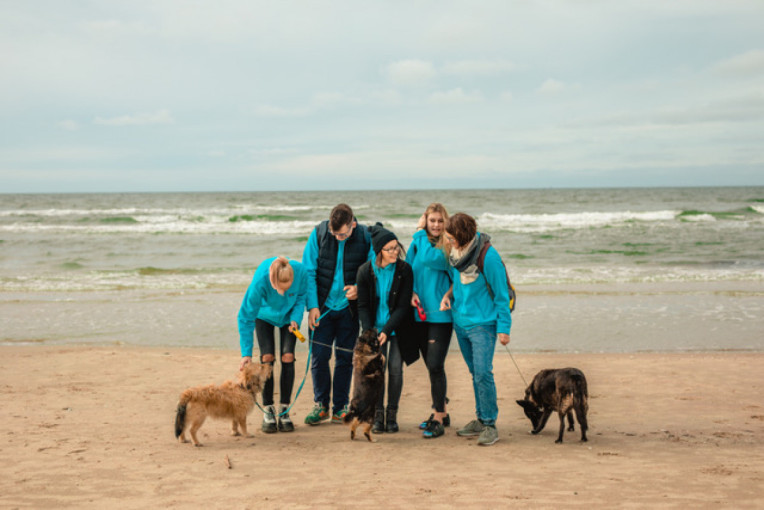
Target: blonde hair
{"x": 281, "y": 272}
{"x": 436, "y": 207}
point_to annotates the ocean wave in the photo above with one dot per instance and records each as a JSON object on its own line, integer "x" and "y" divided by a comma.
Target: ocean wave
{"x": 546, "y": 222}
{"x": 168, "y": 225}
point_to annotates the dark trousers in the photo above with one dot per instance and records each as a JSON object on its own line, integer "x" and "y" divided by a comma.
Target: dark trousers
{"x": 394, "y": 369}
{"x": 266, "y": 340}
{"x": 438, "y": 340}
{"x": 337, "y": 331}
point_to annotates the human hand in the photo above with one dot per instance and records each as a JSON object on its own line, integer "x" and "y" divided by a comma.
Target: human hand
{"x": 293, "y": 325}
{"x": 422, "y": 223}
{"x": 351, "y": 292}
{"x": 245, "y": 360}
{"x": 414, "y": 300}
{"x": 382, "y": 338}
{"x": 445, "y": 303}
{"x": 313, "y": 316}
{"x": 503, "y": 338}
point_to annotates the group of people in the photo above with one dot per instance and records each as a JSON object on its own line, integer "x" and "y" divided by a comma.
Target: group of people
{"x": 352, "y": 276}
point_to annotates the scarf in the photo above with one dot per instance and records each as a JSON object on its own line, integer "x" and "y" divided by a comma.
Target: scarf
{"x": 464, "y": 260}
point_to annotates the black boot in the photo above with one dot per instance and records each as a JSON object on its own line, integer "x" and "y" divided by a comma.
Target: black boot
{"x": 392, "y": 424}
{"x": 379, "y": 421}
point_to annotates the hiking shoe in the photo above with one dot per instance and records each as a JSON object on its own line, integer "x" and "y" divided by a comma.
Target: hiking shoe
{"x": 317, "y": 415}
{"x": 446, "y": 422}
{"x": 269, "y": 420}
{"x": 434, "y": 429}
{"x": 339, "y": 416}
{"x": 285, "y": 422}
{"x": 473, "y": 428}
{"x": 489, "y": 436}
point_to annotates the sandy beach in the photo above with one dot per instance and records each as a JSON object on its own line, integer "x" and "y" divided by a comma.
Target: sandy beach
{"x": 92, "y": 427}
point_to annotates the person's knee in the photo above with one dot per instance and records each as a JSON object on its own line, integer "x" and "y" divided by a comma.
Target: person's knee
{"x": 267, "y": 358}
{"x": 287, "y": 357}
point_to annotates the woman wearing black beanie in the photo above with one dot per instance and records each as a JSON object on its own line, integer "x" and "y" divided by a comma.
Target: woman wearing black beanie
{"x": 385, "y": 286}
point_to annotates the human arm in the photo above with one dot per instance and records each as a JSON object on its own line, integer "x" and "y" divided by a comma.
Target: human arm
{"x": 250, "y": 307}
{"x": 402, "y": 308}
{"x": 496, "y": 275}
{"x": 310, "y": 263}
{"x": 445, "y": 303}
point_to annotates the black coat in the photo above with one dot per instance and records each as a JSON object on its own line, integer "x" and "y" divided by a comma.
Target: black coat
{"x": 398, "y": 301}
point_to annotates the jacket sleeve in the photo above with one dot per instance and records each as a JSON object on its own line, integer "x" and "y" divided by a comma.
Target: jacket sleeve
{"x": 310, "y": 263}
{"x": 402, "y": 310}
{"x": 301, "y": 284}
{"x": 365, "y": 303}
{"x": 496, "y": 275}
{"x": 250, "y": 307}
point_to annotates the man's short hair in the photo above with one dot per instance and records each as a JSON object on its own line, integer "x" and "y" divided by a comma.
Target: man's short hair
{"x": 341, "y": 215}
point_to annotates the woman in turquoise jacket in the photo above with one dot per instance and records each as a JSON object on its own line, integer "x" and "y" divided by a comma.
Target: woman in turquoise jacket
{"x": 427, "y": 257}
{"x": 274, "y": 299}
{"x": 479, "y": 302}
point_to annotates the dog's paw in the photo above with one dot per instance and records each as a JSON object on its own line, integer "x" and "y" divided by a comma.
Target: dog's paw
{"x": 352, "y": 435}
{"x": 535, "y": 432}
{"x": 559, "y": 441}
{"x": 584, "y": 440}
{"x": 198, "y": 445}
{"x": 235, "y": 433}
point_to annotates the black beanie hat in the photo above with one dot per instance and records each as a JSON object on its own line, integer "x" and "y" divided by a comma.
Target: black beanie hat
{"x": 380, "y": 236}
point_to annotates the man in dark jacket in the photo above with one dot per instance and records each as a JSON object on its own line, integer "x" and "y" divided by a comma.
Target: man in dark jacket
{"x": 335, "y": 250}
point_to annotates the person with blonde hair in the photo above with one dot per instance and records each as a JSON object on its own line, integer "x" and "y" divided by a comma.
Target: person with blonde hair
{"x": 275, "y": 299}
{"x": 432, "y": 280}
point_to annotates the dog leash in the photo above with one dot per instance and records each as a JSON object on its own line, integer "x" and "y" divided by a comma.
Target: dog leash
{"x": 515, "y": 362}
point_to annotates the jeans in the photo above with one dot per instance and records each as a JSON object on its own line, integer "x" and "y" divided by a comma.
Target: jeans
{"x": 266, "y": 340}
{"x": 394, "y": 369}
{"x": 338, "y": 329}
{"x": 478, "y": 345}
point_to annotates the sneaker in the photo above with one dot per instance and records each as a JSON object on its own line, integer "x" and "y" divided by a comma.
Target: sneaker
{"x": 339, "y": 416}
{"x": 446, "y": 421}
{"x": 269, "y": 420}
{"x": 285, "y": 422}
{"x": 434, "y": 429}
{"x": 317, "y": 415}
{"x": 473, "y": 428}
{"x": 489, "y": 436}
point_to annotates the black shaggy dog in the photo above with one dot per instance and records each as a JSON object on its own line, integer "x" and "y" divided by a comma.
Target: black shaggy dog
{"x": 562, "y": 390}
{"x": 368, "y": 382}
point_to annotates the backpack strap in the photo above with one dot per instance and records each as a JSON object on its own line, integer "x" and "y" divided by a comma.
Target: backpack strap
{"x": 481, "y": 263}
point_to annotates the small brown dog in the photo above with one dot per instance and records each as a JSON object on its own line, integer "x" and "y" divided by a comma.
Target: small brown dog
{"x": 368, "y": 382}
{"x": 232, "y": 399}
{"x": 563, "y": 390}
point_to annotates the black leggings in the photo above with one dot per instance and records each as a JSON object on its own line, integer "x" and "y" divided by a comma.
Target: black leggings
{"x": 435, "y": 350}
{"x": 394, "y": 369}
{"x": 266, "y": 339}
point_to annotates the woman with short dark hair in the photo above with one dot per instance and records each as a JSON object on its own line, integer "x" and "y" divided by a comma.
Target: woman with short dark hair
{"x": 479, "y": 303}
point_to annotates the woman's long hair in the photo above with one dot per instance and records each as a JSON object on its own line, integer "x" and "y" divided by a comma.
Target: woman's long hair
{"x": 436, "y": 207}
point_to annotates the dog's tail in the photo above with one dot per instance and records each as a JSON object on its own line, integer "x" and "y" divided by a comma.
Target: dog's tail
{"x": 180, "y": 414}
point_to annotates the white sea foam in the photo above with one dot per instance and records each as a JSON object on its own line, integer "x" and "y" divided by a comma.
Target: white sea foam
{"x": 546, "y": 222}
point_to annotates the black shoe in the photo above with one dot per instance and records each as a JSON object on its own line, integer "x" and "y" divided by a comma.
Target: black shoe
{"x": 446, "y": 422}
{"x": 434, "y": 429}
{"x": 379, "y": 422}
{"x": 392, "y": 424}
{"x": 285, "y": 423}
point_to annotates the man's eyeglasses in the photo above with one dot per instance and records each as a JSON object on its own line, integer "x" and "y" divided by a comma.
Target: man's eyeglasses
{"x": 341, "y": 236}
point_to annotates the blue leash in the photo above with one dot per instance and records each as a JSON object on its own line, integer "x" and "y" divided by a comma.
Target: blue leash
{"x": 307, "y": 367}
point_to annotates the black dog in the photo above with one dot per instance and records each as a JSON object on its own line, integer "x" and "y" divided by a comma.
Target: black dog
{"x": 562, "y": 390}
{"x": 368, "y": 382}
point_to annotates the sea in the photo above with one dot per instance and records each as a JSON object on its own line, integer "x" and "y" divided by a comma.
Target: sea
{"x": 55, "y": 244}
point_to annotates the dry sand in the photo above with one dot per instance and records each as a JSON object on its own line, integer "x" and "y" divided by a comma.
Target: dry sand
{"x": 93, "y": 427}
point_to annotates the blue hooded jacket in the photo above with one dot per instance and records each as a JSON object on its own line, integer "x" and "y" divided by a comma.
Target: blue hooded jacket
{"x": 261, "y": 301}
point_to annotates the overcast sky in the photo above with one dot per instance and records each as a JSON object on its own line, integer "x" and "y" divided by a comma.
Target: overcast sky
{"x": 246, "y": 95}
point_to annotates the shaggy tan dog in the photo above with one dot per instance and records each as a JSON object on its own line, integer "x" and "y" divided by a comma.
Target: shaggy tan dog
{"x": 232, "y": 399}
